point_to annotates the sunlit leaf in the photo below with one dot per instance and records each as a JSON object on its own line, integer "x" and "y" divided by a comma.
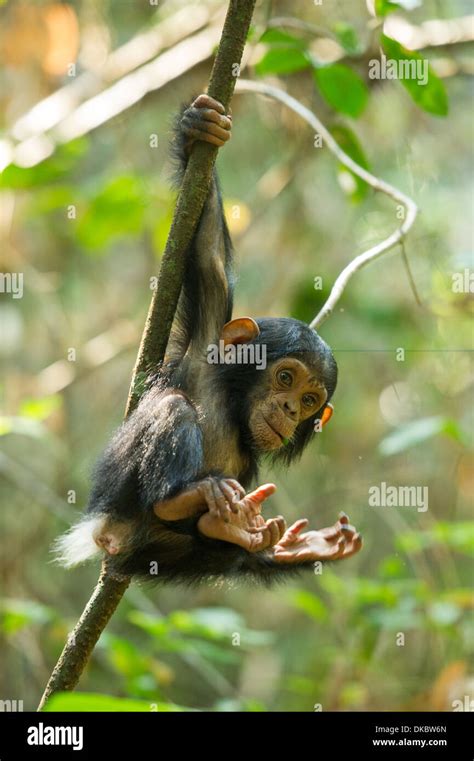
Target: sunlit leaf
{"x": 16, "y": 614}
{"x": 430, "y": 96}
{"x": 349, "y": 143}
{"x": 414, "y": 432}
{"x": 343, "y": 89}
{"x": 382, "y": 7}
{"x": 457, "y": 536}
{"x": 93, "y": 701}
{"x": 41, "y": 408}
{"x": 353, "y": 695}
{"x": 59, "y": 165}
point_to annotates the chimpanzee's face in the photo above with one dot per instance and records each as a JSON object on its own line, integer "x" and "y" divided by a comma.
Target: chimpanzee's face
{"x": 289, "y": 393}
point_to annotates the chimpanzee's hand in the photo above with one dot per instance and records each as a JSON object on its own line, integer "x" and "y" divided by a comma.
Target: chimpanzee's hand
{"x": 218, "y": 495}
{"x": 221, "y": 496}
{"x": 247, "y": 528}
{"x": 336, "y": 542}
{"x": 206, "y": 120}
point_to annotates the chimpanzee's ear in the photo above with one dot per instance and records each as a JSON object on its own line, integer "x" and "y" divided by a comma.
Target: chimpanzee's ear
{"x": 327, "y": 414}
{"x": 240, "y": 331}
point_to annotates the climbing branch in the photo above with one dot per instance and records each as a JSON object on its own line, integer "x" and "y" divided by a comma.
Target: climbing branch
{"x": 111, "y": 587}
{"x": 409, "y": 206}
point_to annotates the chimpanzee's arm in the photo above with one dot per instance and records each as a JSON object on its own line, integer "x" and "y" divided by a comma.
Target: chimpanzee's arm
{"x": 154, "y": 462}
{"x": 206, "y": 298}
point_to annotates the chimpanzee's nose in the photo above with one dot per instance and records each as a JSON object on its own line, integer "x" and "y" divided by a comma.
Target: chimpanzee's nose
{"x": 290, "y": 408}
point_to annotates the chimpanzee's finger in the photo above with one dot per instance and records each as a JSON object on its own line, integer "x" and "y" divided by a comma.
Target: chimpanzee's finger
{"x": 291, "y": 534}
{"x": 261, "y": 493}
{"x": 274, "y": 531}
{"x": 235, "y": 485}
{"x": 207, "y": 493}
{"x": 281, "y": 523}
{"x": 205, "y": 101}
{"x": 353, "y": 546}
{"x": 229, "y": 495}
{"x": 210, "y": 115}
{"x": 221, "y": 502}
{"x": 348, "y": 531}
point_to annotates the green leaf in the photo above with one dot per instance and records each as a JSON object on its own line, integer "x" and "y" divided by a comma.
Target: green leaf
{"x": 40, "y": 409}
{"x": 382, "y": 7}
{"x": 16, "y": 614}
{"x": 349, "y": 143}
{"x": 458, "y": 537}
{"x": 51, "y": 198}
{"x": 342, "y": 88}
{"x": 125, "y": 657}
{"x": 277, "y": 37}
{"x": 93, "y": 701}
{"x": 416, "y": 431}
{"x": 347, "y": 36}
{"x": 215, "y": 653}
{"x": 368, "y": 592}
{"x": 392, "y": 567}
{"x": 430, "y": 96}
{"x": 57, "y": 166}
{"x": 282, "y": 60}
{"x": 117, "y": 210}
{"x": 310, "y": 604}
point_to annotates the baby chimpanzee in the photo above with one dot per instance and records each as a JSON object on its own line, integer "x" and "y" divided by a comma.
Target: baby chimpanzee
{"x": 168, "y": 500}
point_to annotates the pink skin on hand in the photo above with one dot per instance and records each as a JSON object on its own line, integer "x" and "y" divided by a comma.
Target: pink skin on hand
{"x": 336, "y": 542}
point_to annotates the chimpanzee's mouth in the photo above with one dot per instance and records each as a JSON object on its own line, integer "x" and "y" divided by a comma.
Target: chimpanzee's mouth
{"x": 274, "y": 430}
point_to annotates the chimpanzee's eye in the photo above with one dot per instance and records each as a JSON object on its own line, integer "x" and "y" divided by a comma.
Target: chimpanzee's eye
{"x": 285, "y": 377}
{"x": 309, "y": 400}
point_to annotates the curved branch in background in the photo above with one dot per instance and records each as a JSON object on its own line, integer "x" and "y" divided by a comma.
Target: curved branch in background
{"x": 408, "y": 204}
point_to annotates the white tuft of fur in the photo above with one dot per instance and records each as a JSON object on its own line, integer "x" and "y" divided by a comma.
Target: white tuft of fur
{"x": 77, "y": 545}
